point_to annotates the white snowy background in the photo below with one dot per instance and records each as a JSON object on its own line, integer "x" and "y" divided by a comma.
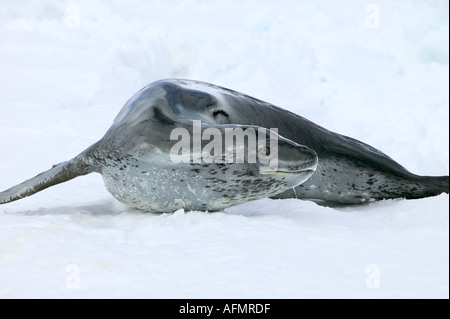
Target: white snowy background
{"x": 374, "y": 70}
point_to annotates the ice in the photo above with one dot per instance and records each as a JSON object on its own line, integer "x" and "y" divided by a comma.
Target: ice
{"x": 68, "y": 67}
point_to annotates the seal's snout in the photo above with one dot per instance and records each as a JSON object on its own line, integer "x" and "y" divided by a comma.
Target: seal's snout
{"x": 309, "y": 158}
{"x": 300, "y": 158}
{"x": 294, "y": 159}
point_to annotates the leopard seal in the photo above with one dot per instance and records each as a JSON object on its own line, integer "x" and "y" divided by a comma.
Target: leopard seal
{"x": 132, "y": 157}
{"x": 135, "y": 160}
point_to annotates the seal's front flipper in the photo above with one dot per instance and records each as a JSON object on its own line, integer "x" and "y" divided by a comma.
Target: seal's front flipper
{"x": 59, "y": 173}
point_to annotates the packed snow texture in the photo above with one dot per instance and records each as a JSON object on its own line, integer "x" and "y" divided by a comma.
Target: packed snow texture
{"x": 376, "y": 70}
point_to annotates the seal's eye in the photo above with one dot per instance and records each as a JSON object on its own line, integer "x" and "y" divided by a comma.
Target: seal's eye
{"x": 218, "y": 113}
{"x": 264, "y": 151}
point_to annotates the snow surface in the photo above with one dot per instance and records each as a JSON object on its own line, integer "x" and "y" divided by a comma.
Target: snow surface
{"x": 377, "y": 71}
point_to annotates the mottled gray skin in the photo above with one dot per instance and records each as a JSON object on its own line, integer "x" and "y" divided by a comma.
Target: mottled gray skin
{"x": 133, "y": 157}
{"x": 349, "y": 171}
{"x": 134, "y": 160}
{"x": 138, "y": 171}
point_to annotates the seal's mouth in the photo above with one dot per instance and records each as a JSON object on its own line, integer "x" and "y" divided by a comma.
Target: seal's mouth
{"x": 281, "y": 172}
{"x": 306, "y": 168}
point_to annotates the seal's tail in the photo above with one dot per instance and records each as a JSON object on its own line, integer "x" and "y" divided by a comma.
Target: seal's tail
{"x": 438, "y": 185}
{"x": 57, "y": 174}
{"x": 426, "y": 186}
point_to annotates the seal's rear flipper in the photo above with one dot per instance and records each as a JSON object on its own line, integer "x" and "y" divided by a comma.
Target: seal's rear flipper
{"x": 438, "y": 185}
{"x": 426, "y": 186}
{"x": 59, "y": 173}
